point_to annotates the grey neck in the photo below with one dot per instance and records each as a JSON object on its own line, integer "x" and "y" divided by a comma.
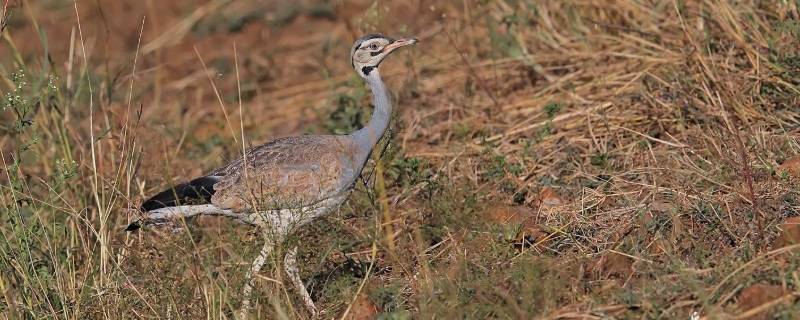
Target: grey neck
{"x": 367, "y": 137}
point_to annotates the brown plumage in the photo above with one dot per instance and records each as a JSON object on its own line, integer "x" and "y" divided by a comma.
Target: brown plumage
{"x": 291, "y": 172}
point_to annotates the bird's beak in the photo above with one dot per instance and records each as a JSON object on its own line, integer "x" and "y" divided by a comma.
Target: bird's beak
{"x": 402, "y": 42}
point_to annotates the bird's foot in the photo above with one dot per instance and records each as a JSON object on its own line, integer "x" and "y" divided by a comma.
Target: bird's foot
{"x": 312, "y": 309}
{"x": 290, "y": 263}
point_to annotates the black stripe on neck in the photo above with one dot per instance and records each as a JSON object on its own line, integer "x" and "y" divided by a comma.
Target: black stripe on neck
{"x": 366, "y": 70}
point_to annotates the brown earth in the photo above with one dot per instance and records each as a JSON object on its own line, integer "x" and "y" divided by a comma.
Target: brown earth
{"x": 554, "y": 160}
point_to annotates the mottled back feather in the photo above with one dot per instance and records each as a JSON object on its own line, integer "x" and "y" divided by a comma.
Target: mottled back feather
{"x": 286, "y": 173}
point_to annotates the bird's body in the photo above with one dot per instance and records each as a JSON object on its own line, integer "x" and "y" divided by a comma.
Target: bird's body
{"x": 305, "y": 174}
{"x": 285, "y": 183}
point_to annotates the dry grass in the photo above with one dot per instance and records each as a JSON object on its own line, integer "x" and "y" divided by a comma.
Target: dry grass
{"x": 636, "y": 143}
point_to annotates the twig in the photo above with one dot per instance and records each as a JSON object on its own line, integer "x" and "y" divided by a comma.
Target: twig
{"x": 180, "y": 29}
{"x": 630, "y": 256}
{"x": 766, "y": 306}
{"x": 545, "y": 122}
{"x": 750, "y": 263}
{"x": 623, "y": 29}
{"x": 217, "y": 94}
{"x": 481, "y": 81}
{"x": 677, "y": 145}
{"x": 747, "y": 172}
{"x": 5, "y": 16}
{"x": 364, "y": 281}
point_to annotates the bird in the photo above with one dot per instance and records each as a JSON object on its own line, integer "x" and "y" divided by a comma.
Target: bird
{"x": 287, "y": 182}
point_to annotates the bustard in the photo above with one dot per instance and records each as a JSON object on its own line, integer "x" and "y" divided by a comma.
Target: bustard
{"x": 287, "y": 182}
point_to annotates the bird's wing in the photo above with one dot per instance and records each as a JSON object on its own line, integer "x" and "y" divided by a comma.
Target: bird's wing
{"x": 285, "y": 173}
{"x": 197, "y": 191}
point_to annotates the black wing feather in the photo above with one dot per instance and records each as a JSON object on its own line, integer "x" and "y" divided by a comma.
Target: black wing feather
{"x": 197, "y": 191}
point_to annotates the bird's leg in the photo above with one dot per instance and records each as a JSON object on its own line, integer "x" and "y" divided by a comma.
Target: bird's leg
{"x": 254, "y": 269}
{"x": 290, "y": 263}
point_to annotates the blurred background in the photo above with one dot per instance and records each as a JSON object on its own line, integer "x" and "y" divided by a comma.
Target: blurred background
{"x": 547, "y": 159}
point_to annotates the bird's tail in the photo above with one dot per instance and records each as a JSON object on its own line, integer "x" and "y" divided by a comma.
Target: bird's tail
{"x": 183, "y": 200}
{"x": 195, "y": 192}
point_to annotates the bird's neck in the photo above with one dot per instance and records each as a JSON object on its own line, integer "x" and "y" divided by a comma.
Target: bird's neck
{"x": 367, "y": 137}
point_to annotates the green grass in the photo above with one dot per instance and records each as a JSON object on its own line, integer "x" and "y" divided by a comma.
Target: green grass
{"x": 631, "y": 114}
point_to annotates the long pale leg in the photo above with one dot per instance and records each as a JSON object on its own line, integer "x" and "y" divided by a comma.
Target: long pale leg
{"x": 290, "y": 263}
{"x": 254, "y": 269}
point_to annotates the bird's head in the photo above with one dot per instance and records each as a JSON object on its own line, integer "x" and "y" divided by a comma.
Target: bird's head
{"x": 369, "y": 51}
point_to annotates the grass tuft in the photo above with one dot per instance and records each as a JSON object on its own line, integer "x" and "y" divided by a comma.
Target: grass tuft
{"x": 556, "y": 159}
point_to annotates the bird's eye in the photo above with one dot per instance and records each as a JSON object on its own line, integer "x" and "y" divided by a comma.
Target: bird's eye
{"x": 373, "y": 46}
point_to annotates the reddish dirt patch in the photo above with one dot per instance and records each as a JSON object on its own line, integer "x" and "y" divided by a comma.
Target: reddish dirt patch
{"x": 757, "y": 295}
{"x": 656, "y": 209}
{"x": 613, "y": 264}
{"x": 790, "y": 233}
{"x": 363, "y": 309}
{"x": 659, "y": 247}
{"x": 549, "y": 198}
{"x": 791, "y": 165}
{"x": 519, "y": 220}
{"x": 509, "y": 214}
